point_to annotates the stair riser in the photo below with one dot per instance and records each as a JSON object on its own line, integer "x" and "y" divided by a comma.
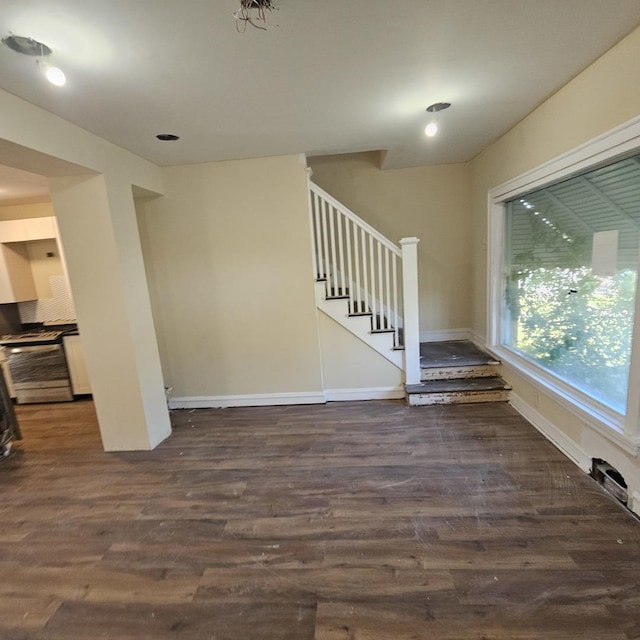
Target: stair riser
{"x": 460, "y": 373}
{"x": 424, "y": 399}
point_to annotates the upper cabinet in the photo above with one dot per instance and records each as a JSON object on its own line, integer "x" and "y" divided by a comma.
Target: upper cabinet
{"x": 16, "y": 278}
{"x": 27, "y": 229}
{"x": 17, "y": 283}
{"x": 40, "y": 228}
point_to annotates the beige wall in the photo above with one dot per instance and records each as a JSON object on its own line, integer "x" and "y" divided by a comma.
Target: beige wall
{"x": 44, "y": 266}
{"x": 228, "y": 252}
{"x": 432, "y": 203}
{"x": 349, "y": 363}
{"x": 603, "y": 96}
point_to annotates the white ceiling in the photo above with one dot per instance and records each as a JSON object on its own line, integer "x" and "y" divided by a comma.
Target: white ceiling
{"x": 334, "y": 76}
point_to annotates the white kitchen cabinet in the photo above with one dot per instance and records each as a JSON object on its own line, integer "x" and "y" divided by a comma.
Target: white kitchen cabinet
{"x": 78, "y": 373}
{"x": 13, "y": 231}
{"x": 16, "y": 277}
{"x": 27, "y": 229}
{"x": 40, "y": 228}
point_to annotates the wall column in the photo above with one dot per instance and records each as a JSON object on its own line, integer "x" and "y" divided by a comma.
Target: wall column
{"x": 99, "y": 233}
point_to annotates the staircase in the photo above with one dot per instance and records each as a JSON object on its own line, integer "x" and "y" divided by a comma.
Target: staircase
{"x": 457, "y": 372}
{"x": 365, "y": 282}
{"x": 369, "y": 285}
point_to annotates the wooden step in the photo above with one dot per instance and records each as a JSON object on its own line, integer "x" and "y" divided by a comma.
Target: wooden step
{"x": 453, "y": 353}
{"x": 454, "y": 359}
{"x": 458, "y": 391}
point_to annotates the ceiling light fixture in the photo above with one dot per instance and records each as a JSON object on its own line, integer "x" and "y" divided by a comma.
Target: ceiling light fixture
{"x": 432, "y": 128}
{"x": 253, "y": 12}
{"x": 54, "y": 75}
{"x": 30, "y": 47}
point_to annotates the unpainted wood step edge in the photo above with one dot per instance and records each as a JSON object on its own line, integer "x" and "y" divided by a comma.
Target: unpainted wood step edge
{"x": 426, "y": 364}
{"x": 426, "y": 399}
{"x": 460, "y": 372}
{"x": 462, "y": 385}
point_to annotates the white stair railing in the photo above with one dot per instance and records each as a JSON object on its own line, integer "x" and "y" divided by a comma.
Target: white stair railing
{"x": 359, "y": 264}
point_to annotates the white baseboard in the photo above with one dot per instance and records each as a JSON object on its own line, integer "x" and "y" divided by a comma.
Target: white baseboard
{"x": 557, "y": 437}
{"x": 449, "y": 334}
{"x": 257, "y": 400}
{"x": 373, "y": 393}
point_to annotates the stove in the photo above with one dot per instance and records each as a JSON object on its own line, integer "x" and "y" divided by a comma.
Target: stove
{"x": 38, "y": 366}
{"x": 31, "y": 337}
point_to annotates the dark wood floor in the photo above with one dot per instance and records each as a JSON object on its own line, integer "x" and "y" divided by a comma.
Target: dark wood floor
{"x": 352, "y": 521}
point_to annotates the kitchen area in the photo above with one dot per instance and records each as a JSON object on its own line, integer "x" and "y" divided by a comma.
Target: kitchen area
{"x": 41, "y": 355}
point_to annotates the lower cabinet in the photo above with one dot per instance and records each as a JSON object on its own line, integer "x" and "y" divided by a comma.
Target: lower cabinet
{"x": 77, "y": 368}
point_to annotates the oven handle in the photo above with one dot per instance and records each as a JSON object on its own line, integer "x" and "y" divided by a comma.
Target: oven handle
{"x": 40, "y": 347}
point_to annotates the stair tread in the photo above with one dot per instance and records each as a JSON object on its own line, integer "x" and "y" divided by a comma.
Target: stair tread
{"x": 459, "y": 385}
{"x": 453, "y": 353}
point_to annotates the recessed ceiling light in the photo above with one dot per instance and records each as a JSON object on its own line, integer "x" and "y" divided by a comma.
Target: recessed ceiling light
{"x": 27, "y": 46}
{"x": 30, "y": 47}
{"x": 438, "y": 106}
{"x": 167, "y": 137}
{"x": 432, "y": 128}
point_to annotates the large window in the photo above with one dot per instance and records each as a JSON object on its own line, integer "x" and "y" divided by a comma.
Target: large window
{"x": 570, "y": 270}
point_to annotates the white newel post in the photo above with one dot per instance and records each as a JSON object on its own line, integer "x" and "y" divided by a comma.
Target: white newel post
{"x": 411, "y": 309}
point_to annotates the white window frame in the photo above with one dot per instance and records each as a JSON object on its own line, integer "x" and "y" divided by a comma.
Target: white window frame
{"x": 621, "y": 141}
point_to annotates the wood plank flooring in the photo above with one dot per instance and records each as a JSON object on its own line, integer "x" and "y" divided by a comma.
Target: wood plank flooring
{"x": 351, "y": 521}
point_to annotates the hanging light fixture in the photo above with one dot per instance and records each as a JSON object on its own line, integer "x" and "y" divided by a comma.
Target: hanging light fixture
{"x": 432, "y": 128}
{"x": 253, "y": 12}
{"x": 55, "y": 76}
{"x": 30, "y": 47}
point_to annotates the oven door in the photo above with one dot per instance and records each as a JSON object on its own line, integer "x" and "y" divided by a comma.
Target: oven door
{"x": 39, "y": 373}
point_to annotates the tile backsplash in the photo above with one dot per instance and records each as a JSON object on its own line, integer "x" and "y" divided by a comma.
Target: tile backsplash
{"x": 59, "y": 307}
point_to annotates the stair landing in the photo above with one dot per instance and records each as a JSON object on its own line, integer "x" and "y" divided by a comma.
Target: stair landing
{"x": 456, "y": 372}
{"x": 455, "y": 359}
{"x": 453, "y": 353}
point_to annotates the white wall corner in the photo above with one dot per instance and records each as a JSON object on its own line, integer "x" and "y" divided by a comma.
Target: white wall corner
{"x": 477, "y": 338}
{"x": 552, "y": 433}
{"x": 634, "y": 503}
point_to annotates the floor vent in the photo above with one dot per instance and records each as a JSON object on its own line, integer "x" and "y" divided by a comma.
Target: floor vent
{"x": 611, "y": 479}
